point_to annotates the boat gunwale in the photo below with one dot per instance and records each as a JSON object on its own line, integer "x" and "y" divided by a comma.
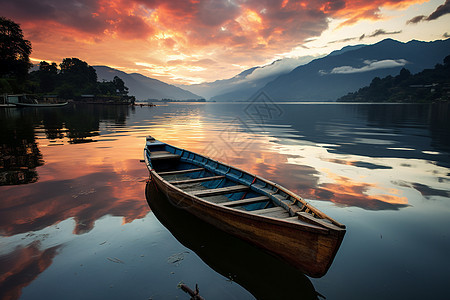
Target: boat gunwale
{"x": 277, "y": 221}
{"x": 324, "y": 227}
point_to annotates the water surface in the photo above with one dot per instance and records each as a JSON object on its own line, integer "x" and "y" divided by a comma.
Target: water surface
{"x": 75, "y": 221}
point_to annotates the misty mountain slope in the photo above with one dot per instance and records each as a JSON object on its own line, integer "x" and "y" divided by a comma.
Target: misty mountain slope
{"x": 242, "y": 86}
{"x": 346, "y": 49}
{"x": 211, "y": 89}
{"x": 143, "y": 87}
{"x": 241, "y": 91}
{"x": 335, "y": 75}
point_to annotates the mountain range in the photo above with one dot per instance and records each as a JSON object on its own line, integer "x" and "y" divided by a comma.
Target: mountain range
{"x": 306, "y": 78}
{"x": 330, "y": 77}
{"x": 242, "y": 86}
{"x": 143, "y": 87}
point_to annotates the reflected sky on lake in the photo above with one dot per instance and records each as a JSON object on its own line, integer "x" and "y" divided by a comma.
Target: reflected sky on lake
{"x": 72, "y": 181}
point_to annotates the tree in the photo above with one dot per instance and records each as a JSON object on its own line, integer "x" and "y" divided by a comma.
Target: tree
{"x": 447, "y": 61}
{"x": 120, "y": 85}
{"x": 404, "y": 74}
{"x": 79, "y": 74}
{"x": 47, "y": 76}
{"x": 106, "y": 88}
{"x": 14, "y": 50}
{"x": 66, "y": 91}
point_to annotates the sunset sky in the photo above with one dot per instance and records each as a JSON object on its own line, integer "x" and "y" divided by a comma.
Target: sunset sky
{"x": 182, "y": 41}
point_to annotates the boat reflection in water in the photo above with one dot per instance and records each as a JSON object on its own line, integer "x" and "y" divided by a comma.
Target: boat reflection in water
{"x": 263, "y": 275}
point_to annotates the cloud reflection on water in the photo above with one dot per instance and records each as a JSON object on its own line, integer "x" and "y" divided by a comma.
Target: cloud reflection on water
{"x": 86, "y": 199}
{"x": 20, "y": 267}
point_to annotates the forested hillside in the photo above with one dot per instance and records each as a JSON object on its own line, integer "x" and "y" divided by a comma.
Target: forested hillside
{"x": 430, "y": 85}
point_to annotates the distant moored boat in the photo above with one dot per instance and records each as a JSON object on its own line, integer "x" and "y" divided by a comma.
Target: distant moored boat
{"x": 37, "y": 104}
{"x": 26, "y": 100}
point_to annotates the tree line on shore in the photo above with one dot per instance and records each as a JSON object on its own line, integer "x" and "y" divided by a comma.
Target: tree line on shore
{"x": 72, "y": 79}
{"x": 430, "y": 85}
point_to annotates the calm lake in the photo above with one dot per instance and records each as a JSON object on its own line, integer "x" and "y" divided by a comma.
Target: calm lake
{"x": 77, "y": 220}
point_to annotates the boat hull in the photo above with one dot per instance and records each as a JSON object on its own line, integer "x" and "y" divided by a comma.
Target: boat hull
{"x": 41, "y": 104}
{"x": 309, "y": 249}
{"x": 249, "y": 266}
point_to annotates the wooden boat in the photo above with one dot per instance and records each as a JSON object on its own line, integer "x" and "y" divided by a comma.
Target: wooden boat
{"x": 247, "y": 206}
{"x": 28, "y": 100}
{"x": 7, "y": 105}
{"x": 36, "y": 104}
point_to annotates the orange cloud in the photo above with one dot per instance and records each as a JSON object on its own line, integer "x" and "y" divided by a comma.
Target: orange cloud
{"x": 119, "y": 32}
{"x": 196, "y": 21}
{"x": 356, "y": 11}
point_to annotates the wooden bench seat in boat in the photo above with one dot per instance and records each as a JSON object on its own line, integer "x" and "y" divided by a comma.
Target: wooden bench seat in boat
{"x": 220, "y": 191}
{"x": 154, "y": 144}
{"x": 196, "y": 180}
{"x": 179, "y": 172}
{"x": 277, "y": 212}
{"x": 245, "y": 201}
{"x": 160, "y": 155}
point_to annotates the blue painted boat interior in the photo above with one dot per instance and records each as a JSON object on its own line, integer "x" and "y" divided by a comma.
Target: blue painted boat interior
{"x": 233, "y": 176}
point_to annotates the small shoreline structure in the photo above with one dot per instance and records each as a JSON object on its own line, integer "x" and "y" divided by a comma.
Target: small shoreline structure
{"x": 140, "y": 104}
{"x": 105, "y": 99}
{"x": 4, "y": 101}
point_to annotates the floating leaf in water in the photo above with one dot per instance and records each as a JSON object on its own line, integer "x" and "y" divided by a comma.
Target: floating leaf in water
{"x": 115, "y": 260}
{"x": 177, "y": 258}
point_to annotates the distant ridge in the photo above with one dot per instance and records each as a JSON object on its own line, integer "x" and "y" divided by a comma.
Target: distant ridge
{"x": 242, "y": 86}
{"x": 143, "y": 87}
{"x": 341, "y": 72}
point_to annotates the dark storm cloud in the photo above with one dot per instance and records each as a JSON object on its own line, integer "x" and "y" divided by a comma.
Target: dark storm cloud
{"x": 73, "y": 14}
{"x": 439, "y": 12}
{"x": 376, "y": 33}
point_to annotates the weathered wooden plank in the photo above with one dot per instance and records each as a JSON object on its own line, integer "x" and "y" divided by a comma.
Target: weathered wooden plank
{"x": 179, "y": 172}
{"x": 158, "y": 155}
{"x": 278, "y": 214}
{"x": 167, "y": 156}
{"x": 266, "y": 211}
{"x": 219, "y": 191}
{"x": 306, "y": 217}
{"x": 245, "y": 201}
{"x": 154, "y": 144}
{"x": 303, "y": 223}
{"x": 152, "y": 153}
{"x": 195, "y": 180}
